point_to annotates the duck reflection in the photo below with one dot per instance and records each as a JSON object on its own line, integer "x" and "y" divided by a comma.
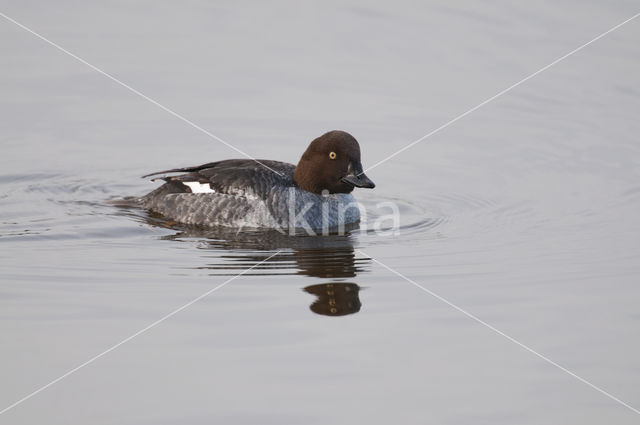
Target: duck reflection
{"x": 335, "y": 298}
{"x": 328, "y": 257}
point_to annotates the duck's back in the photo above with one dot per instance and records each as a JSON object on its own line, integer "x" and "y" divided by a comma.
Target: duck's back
{"x": 234, "y": 192}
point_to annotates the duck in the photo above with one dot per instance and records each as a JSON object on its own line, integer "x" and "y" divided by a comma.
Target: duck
{"x": 313, "y": 195}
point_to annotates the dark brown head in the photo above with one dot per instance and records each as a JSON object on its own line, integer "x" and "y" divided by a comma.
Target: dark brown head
{"x": 331, "y": 162}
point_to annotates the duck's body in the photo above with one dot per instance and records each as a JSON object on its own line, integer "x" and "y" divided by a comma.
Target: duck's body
{"x": 244, "y": 193}
{"x": 265, "y": 193}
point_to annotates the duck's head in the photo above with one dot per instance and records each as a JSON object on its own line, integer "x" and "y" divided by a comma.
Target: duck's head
{"x": 331, "y": 162}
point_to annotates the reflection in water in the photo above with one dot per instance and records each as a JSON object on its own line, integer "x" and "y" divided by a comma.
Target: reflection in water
{"x": 335, "y": 298}
{"x": 330, "y": 257}
{"x": 317, "y": 256}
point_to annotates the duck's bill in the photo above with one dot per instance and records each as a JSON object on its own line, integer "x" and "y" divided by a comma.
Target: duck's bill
{"x": 357, "y": 178}
{"x": 359, "y": 181}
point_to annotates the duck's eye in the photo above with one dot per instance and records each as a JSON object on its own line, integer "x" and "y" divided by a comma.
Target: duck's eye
{"x": 332, "y": 155}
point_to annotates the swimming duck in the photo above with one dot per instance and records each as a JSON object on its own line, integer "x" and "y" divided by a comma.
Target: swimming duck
{"x": 315, "y": 194}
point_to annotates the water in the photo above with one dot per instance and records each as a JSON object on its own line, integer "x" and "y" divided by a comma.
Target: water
{"x": 524, "y": 214}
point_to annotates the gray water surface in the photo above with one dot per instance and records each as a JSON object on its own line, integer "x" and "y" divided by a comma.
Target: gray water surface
{"x": 523, "y": 214}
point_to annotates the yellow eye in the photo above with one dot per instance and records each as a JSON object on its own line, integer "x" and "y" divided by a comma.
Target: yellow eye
{"x": 332, "y": 155}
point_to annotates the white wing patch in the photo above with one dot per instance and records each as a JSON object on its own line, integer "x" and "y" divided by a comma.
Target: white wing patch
{"x": 197, "y": 187}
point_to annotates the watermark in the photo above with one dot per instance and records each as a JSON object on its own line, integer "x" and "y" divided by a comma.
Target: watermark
{"x": 303, "y": 215}
{"x": 502, "y": 92}
{"x": 138, "y": 333}
{"x": 499, "y": 332}
{"x": 138, "y": 93}
{"x": 336, "y": 214}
